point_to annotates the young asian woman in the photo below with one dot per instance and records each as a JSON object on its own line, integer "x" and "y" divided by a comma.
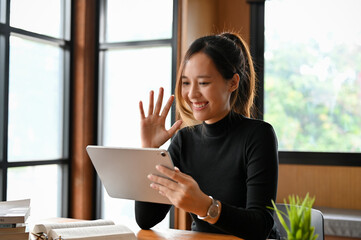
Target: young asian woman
{"x": 226, "y": 162}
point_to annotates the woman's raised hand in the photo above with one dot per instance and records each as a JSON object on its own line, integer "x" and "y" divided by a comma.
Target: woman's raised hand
{"x": 153, "y": 132}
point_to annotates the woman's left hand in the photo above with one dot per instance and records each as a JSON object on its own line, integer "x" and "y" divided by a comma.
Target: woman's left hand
{"x": 181, "y": 189}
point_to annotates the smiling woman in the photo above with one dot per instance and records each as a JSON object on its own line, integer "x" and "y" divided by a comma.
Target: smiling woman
{"x": 226, "y": 166}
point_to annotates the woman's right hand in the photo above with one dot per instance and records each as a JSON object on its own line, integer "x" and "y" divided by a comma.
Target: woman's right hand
{"x": 152, "y": 127}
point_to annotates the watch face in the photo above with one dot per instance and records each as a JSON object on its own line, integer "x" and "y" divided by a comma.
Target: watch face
{"x": 213, "y": 211}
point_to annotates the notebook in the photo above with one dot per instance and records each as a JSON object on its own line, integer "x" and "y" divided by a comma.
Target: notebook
{"x": 124, "y": 171}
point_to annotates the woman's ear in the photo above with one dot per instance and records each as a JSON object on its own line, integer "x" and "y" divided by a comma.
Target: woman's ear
{"x": 234, "y": 83}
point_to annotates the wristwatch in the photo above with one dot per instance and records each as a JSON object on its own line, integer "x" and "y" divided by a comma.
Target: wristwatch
{"x": 213, "y": 210}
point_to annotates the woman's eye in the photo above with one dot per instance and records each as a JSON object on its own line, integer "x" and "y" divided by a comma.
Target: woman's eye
{"x": 203, "y": 83}
{"x": 185, "y": 83}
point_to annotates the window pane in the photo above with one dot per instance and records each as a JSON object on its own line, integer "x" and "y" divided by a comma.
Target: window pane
{"x": 40, "y": 16}
{"x": 35, "y": 101}
{"x": 42, "y": 184}
{"x": 2, "y": 11}
{"x": 2, "y": 97}
{"x": 313, "y": 74}
{"x": 138, "y": 20}
{"x": 129, "y": 76}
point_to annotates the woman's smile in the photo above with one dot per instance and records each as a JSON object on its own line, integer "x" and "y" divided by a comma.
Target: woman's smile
{"x": 198, "y": 106}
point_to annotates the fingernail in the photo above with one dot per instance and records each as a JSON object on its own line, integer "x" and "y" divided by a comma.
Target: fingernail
{"x": 149, "y": 176}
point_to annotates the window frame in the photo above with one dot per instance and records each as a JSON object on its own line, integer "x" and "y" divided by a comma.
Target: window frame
{"x": 257, "y": 51}
{"x": 65, "y": 43}
{"x": 102, "y": 48}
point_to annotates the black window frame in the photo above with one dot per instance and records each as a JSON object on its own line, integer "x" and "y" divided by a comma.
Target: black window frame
{"x": 257, "y": 52}
{"x": 102, "y": 48}
{"x": 64, "y": 43}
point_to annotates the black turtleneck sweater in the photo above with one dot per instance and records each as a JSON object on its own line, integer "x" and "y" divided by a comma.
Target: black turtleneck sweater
{"x": 234, "y": 160}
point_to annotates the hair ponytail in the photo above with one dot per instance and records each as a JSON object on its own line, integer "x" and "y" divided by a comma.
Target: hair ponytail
{"x": 242, "y": 100}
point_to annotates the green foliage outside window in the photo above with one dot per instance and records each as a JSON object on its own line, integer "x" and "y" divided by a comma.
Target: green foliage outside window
{"x": 313, "y": 75}
{"x": 311, "y": 113}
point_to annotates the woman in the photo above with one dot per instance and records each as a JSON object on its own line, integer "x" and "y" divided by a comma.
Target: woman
{"x": 226, "y": 163}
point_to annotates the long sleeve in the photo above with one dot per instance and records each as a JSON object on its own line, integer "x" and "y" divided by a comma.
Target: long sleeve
{"x": 148, "y": 214}
{"x": 255, "y": 221}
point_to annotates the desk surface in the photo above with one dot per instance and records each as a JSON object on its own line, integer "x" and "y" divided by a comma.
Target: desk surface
{"x": 173, "y": 234}
{"x": 159, "y": 234}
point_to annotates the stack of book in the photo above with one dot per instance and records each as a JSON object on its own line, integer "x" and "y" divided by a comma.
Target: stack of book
{"x": 13, "y": 216}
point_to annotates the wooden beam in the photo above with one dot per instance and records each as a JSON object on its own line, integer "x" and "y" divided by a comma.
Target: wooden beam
{"x": 83, "y": 132}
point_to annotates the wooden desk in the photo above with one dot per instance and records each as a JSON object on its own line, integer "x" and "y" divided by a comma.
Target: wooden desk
{"x": 158, "y": 234}
{"x": 172, "y": 234}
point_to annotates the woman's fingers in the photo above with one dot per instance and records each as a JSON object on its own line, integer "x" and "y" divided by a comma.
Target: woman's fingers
{"x": 158, "y": 180}
{"x": 179, "y": 188}
{"x": 167, "y": 106}
{"x": 153, "y": 127}
{"x": 151, "y": 103}
{"x": 175, "y": 127}
{"x": 161, "y": 189}
{"x": 176, "y": 176}
{"x": 164, "y": 186}
{"x": 158, "y": 105}
{"x": 141, "y": 110}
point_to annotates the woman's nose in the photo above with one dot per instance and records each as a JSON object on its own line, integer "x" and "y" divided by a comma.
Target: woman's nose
{"x": 193, "y": 92}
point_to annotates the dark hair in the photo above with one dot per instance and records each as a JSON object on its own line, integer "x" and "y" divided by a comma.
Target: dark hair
{"x": 231, "y": 55}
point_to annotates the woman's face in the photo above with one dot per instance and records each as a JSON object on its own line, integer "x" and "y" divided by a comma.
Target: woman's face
{"x": 205, "y": 90}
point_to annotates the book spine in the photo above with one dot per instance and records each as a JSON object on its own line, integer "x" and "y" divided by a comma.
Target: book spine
{"x": 7, "y": 225}
{"x": 5, "y": 220}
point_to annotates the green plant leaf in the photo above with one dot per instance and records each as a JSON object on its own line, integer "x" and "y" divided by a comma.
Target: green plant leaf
{"x": 298, "y": 212}
{"x": 279, "y": 215}
{"x": 299, "y": 234}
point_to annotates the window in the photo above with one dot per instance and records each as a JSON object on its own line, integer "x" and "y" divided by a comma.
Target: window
{"x": 136, "y": 55}
{"x": 312, "y": 78}
{"x": 34, "y": 109}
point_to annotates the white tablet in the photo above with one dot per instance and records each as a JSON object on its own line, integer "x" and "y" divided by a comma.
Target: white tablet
{"x": 124, "y": 171}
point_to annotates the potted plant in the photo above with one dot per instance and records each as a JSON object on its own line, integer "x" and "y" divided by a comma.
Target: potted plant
{"x": 299, "y": 216}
